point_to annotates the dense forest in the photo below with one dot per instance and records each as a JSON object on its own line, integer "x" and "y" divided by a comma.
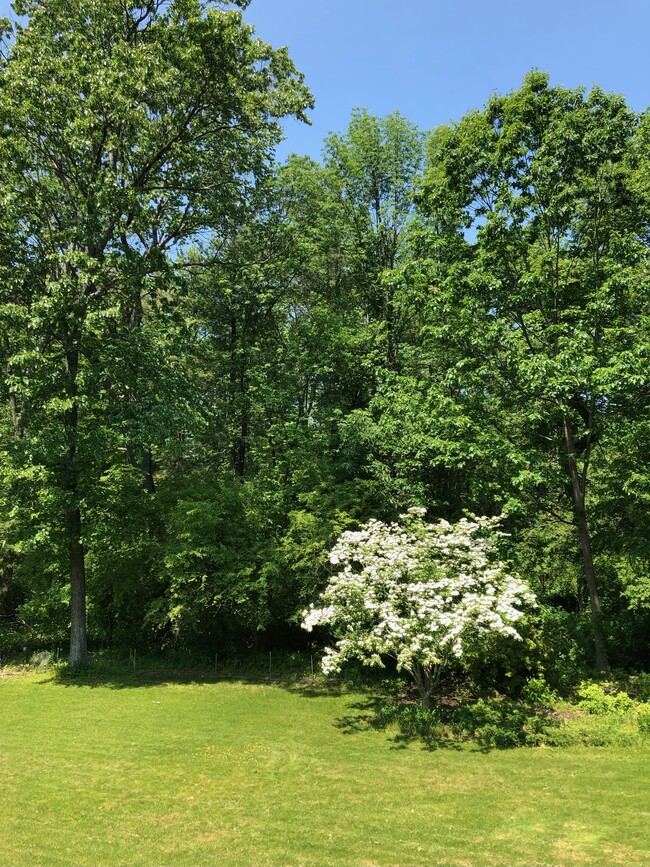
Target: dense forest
{"x": 213, "y": 364}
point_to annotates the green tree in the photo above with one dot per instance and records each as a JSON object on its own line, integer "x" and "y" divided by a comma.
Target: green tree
{"x": 373, "y": 170}
{"x": 534, "y": 201}
{"x": 127, "y": 129}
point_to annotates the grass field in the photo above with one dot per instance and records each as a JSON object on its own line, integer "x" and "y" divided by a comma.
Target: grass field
{"x": 143, "y": 772}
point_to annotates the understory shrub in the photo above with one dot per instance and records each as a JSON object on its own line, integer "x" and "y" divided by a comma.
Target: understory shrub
{"x": 643, "y": 718}
{"x": 497, "y": 721}
{"x": 638, "y": 685}
{"x": 603, "y": 716}
{"x": 601, "y": 699}
{"x": 502, "y": 722}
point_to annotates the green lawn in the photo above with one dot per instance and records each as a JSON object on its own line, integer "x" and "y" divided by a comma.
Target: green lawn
{"x": 257, "y": 774}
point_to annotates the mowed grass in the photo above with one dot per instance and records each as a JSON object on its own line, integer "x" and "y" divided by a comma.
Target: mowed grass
{"x": 232, "y": 773}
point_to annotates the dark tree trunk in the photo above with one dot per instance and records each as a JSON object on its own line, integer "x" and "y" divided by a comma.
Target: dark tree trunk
{"x": 146, "y": 467}
{"x": 240, "y": 447}
{"x": 13, "y": 403}
{"x": 458, "y": 492}
{"x": 78, "y": 644}
{"x": 578, "y": 487}
{"x": 239, "y": 402}
{"x": 76, "y": 554}
{"x": 602, "y": 661}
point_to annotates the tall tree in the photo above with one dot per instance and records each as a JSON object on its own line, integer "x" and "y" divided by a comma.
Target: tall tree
{"x": 127, "y": 129}
{"x": 373, "y": 170}
{"x": 536, "y": 192}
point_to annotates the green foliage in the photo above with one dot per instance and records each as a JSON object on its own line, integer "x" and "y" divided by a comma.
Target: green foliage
{"x": 213, "y": 366}
{"x": 538, "y": 717}
{"x": 127, "y": 131}
{"x": 211, "y": 585}
{"x": 608, "y": 731}
{"x": 413, "y": 722}
{"x": 602, "y": 699}
{"x": 538, "y": 693}
{"x": 303, "y": 551}
{"x": 502, "y": 723}
{"x": 638, "y": 685}
{"x": 543, "y": 311}
{"x": 493, "y": 722}
{"x": 560, "y": 645}
{"x": 643, "y": 717}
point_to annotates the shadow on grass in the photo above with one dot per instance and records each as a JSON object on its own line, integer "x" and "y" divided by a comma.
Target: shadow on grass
{"x": 370, "y": 714}
{"x": 364, "y": 717}
{"x": 90, "y": 678}
{"x": 292, "y": 671}
{"x": 375, "y": 705}
{"x": 119, "y": 675}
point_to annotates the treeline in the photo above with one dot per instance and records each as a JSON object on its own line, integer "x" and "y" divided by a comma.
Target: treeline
{"x": 212, "y": 364}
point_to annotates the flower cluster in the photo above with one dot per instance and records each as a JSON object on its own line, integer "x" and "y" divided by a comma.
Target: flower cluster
{"x": 416, "y": 591}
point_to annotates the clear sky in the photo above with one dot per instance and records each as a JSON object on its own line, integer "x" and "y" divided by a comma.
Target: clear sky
{"x": 436, "y": 59}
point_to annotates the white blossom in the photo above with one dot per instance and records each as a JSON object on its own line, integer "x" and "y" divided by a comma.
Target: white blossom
{"x": 416, "y": 592}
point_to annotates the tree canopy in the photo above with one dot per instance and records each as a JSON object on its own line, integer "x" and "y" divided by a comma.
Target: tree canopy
{"x": 214, "y": 365}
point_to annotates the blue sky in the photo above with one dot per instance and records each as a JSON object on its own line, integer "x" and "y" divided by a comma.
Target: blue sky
{"x": 435, "y": 60}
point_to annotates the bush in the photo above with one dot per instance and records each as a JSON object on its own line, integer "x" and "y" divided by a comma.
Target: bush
{"x": 414, "y": 722}
{"x": 496, "y": 721}
{"x": 643, "y": 717}
{"x": 559, "y": 644}
{"x": 603, "y": 731}
{"x": 639, "y": 686}
{"x": 604, "y": 716}
{"x": 492, "y": 722}
{"x": 602, "y": 699}
{"x": 503, "y": 722}
{"x": 538, "y": 693}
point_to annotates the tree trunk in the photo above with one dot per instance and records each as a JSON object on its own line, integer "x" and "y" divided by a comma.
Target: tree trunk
{"x": 76, "y": 554}
{"x": 426, "y": 681}
{"x": 578, "y": 487}
{"x": 146, "y": 467}
{"x": 240, "y": 447}
{"x": 602, "y": 662}
{"x": 239, "y": 402}
{"x": 78, "y": 645}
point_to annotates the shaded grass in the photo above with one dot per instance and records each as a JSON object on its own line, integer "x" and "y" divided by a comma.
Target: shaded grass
{"x": 246, "y": 773}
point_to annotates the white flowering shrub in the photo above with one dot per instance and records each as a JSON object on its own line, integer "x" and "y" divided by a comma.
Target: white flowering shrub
{"x": 417, "y": 592}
